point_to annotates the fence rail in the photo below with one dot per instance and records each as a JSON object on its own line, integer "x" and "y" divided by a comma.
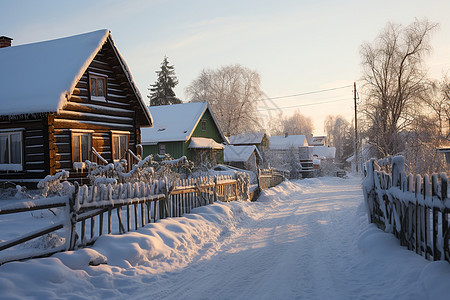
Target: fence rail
{"x": 411, "y": 207}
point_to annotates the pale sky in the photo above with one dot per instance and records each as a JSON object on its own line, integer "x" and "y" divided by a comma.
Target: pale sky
{"x": 295, "y": 46}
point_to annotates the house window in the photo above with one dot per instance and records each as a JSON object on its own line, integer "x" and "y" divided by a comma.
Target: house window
{"x": 203, "y": 125}
{"x": 97, "y": 87}
{"x": 81, "y": 146}
{"x": 119, "y": 145}
{"x": 162, "y": 149}
{"x": 11, "y": 151}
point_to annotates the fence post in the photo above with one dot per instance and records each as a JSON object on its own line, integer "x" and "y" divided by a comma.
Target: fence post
{"x": 73, "y": 236}
{"x": 215, "y": 189}
{"x": 435, "y": 210}
{"x": 445, "y": 228}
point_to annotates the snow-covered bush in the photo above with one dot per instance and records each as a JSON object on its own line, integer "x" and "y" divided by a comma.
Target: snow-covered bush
{"x": 243, "y": 185}
{"x": 52, "y": 185}
{"x": 146, "y": 169}
{"x": 327, "y": 168}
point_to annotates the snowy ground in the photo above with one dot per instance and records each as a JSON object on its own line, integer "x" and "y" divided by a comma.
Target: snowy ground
{"x": 305, "y": 239}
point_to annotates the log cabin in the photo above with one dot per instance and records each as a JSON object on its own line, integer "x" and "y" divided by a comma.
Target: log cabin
{"x": 63, "y": 102}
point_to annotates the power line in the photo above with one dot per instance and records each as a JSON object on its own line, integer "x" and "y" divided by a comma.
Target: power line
{"x": 307, "y": 104}
{"x": 306, "y": 93}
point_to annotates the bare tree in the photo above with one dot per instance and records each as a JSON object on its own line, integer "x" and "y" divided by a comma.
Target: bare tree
{"x": 339, "y": 135}
{"x": 439, "y": 104}
{"x": 394, "y": 81}
{"x": 295, "y": 124}
{"x": 232, "y": 92}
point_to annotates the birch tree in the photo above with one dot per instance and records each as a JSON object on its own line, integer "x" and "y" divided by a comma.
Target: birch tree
{"x": 232, "y": 92}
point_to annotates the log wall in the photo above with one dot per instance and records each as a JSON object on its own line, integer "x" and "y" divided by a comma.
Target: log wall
{"x": 117, "y": 112}
{"x": 34, "y": 145}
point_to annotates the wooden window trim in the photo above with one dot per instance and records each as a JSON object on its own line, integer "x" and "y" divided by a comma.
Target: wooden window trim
{"x": 105, "y": 87}
{"x": 161, "y": 146}
{"x": 10, "y": 166}
{"x": 119, "y": 133}
{"x": 74, "y": 133}
{"x": 203, "y": 124}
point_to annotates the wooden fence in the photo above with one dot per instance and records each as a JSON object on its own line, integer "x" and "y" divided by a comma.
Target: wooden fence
{"x": 269, "y": 178}
{"x": 411, "y": 207}
{"x": 91, "y": 211}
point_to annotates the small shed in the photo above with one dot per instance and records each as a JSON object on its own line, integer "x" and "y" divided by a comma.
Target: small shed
{"x": 243, "y": 157}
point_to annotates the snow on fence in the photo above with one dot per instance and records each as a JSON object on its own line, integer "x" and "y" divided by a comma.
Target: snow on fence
{"x": 411, "y": 207}
{"x": 88, "y": 212}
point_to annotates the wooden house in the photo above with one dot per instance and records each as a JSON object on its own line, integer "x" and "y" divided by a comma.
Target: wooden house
{"x": 291, "y": 153}
{"x": 65, "y": 101}
{"x": 187, "y": 129}
{"x": 320, "y": 140}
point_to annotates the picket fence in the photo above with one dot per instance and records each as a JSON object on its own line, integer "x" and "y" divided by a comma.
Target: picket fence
{"x": 91, "y": 211}
{"x": 411, "y": 207}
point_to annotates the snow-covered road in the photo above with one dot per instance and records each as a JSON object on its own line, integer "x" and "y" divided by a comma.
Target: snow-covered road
{"x": 306, "y": 239}
{"x": 295, "y": 244}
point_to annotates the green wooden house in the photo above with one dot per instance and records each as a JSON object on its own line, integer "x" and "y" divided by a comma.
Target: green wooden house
{"x": 187, "y": 129}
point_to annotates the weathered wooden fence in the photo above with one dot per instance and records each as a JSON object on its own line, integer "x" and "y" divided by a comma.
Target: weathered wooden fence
{"x": 91, "y": 211}
{"x": 411, "y": 207}
{"x": 269, "y": 178}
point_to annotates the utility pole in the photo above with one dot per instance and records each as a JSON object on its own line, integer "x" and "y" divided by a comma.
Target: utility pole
{"x": 356, "y": 128}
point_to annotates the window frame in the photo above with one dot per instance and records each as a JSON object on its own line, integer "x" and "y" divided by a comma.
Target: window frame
{"x": 105, "y": 86}
{"x": 119, "y": 134}
{"x": 162, "y": 148}
{"x": 13, "y": 166}
{"x": 73, "y": 134}
{"x": 203, "y": 124}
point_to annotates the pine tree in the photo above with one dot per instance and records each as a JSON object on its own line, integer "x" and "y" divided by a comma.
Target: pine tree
{"x": 161, "y": 92}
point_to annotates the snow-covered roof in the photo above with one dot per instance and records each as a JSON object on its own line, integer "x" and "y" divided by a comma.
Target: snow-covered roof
{"x": 174, "y": 122}
{"x": 246, "y": 138}
{"x": 239, "y": 153}
{"x": 323, "y": 152}
{"x": 39, "y": 77}
{"x": 204, "y": 143}
{"x": 317, "y": 140}
{"x": 282, "y": 142}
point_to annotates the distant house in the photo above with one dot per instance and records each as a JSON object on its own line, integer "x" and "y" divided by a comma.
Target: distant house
{"x": 188, "y": 129}
{"x": 322, "y": 153}
{"x": 243, "y": 157}
{"x": 65, "y": 101}
{"x": 284, "y": 143}
{"x": 291, "y": 153}
{"x": 365, "y": 153}
{"x": 446, "y": 152}
{"x": 258, "y": 139}
{"x": 317, "y": 140}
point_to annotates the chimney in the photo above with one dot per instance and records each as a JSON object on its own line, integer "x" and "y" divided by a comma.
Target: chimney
{"x": 5, "y": 41}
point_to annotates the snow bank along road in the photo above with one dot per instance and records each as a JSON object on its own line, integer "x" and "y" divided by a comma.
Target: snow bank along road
{"x": 306, "y": 239}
